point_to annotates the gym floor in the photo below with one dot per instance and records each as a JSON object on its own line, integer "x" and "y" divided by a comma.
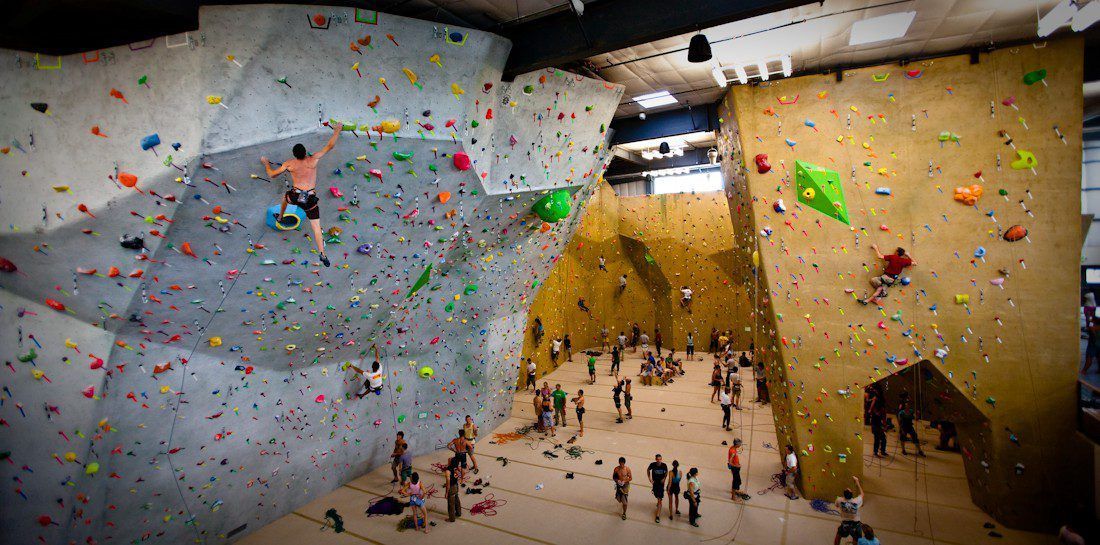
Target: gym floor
{"x": 908, "y": 501}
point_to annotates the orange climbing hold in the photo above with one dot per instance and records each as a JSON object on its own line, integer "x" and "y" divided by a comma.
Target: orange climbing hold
{"x": 186, "y": 249}
{"x": 444, "y": 196}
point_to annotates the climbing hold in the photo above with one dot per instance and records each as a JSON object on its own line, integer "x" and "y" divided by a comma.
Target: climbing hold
{"x": 426, "y": 372}
{"x": 215, "y": 341}
{"x": 1024, "y": 159}
{"x": 820, "y": 189}
{"x": 553, "y": 207}
{"x": 1015, "y": 233}
{"x": 291, "y": 220}
{"x": 762, "y": 166}
{"x": 962, "y": 299}
{"x": 1036, "y": 76}
{"x": 968, "y": 195}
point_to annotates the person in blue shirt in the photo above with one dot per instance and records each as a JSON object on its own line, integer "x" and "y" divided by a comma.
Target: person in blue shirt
{"x": 868, "y": 536}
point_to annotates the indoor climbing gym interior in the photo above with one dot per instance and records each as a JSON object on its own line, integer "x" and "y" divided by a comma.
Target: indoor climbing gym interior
{"x": 349, "y": 272}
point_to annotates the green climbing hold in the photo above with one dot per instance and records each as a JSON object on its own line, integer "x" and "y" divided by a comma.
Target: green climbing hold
{"x": 820, "y": 189}
{"x": 470, "y": 289}
{"x": 420, "y": 282}
{"x": 450, "y": 307}
{"x": 402, "y": 155}
{"x": 553, "y": 207}
{"x": 1031, "y": 78}
{"x": 400, "y": 419}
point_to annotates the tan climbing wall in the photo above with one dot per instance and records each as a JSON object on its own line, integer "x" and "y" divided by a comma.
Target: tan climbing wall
{"x": 689, "y": 239}
{"x": 1012, "y": 350}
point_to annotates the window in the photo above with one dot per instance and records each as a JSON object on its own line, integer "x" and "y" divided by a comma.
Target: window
{"x": 710, "y": 180}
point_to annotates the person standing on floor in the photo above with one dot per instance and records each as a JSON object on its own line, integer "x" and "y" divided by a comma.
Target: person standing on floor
{"x": 713, "y": 348}
{"x": 469, "y": 430}
{"x": 737, "y": 390}
{"x": 578, "y": 402}
{"x": 790, "y": 471}
{"x": 674, "y": 476}
{"x": 451, "y": 478}
{"x": 725, "y": 402}
{"x": 906, "y": 427}
{"x": 657, "y": 471}
{"x": 878, "y": 430}
{"x": 715, "y": 381}
{"x": 591, "y": 369}
{"x": 568, "y": 347}
{"x": 690, "y": 345}
{"x": 548, "y": 410}
{"x": 849, "y": 505}
{"x": 622, "y": 341}
{"x": 559, "y": 405}
{"x": 644, "y": 340}
{"x": 733, "y": 462}
{"x": 622, "y": 477}
{"x": 627, "y": 398}
{"x": 537, "y": 402}
{"x": 531, "y": 368}
{"x": 657, "y": 340}
{"x": 616, "y": 356}
{"x": 636, "y": 334}
{"x": 606, "y": 342}
{"x": 761, "y": 383}
{"x": 616, "y": 396}
{"x": 399, "y": 448}
{"x": 415, "y": 491}
{"x": 459, "y": 446}
{"x": 694, "y": 495}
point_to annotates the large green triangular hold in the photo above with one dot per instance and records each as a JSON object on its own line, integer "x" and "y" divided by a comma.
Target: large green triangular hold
{"x": 820, "y": 189}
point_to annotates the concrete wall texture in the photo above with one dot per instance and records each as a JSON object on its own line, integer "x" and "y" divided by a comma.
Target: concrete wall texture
{"x": 660, "y": 242}
{"x": 996, "y": 318}
{"x": 182, "y": 392}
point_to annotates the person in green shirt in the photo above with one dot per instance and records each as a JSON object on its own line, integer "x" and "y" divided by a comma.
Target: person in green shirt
{"x": 559, "y": 405}
{"x": 591, "y": 369}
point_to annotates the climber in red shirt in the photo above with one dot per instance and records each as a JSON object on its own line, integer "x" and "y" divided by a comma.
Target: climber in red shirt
{"x": 895, "y": 264}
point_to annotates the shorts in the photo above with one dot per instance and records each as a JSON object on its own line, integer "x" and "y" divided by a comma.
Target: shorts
{"x": 406, "y": 472}
{"x": 674, "y": 490}
{"x": 850, "y": 528}
{"x": 460, "y": 457}
{"x": 548, "y": 419}
{"x": 622, "y": 492}
{"x": 306, "y": 200}
{"x": 618, "y": 403}
{"x": 659, "y": 490}
{"x": 884, "y": 280}
{"x": 736, "y": 471}
{"x": 416, "y": 502}
{"x": 628, "y": 399}
{"x": 715, "y": 383}
{"x": 580, "y": 414}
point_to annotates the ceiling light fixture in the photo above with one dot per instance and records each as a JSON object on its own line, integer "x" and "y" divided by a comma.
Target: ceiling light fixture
{"x": 882, "y": 28}
{"x": 699, "y": 49}
{"x": 786, "y": 61}
{"x": 741, "y": 75}
{"x": 653, "y": 100}
{"x": 1086, "y": 16}
{"x": 664, "y": 148}
{"x": 719, "y": 76}
{"x": 762, "y": 68}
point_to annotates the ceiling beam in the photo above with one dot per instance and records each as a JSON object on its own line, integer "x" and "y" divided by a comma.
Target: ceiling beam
{"x": 666, "y": 123}
{"x": 607, "y": 25}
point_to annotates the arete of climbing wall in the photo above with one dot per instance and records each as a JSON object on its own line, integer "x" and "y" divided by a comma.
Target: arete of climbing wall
{"x": 660, "y": 242}
{"x": 974, "y": 170}
{"x": 203, "y": 384}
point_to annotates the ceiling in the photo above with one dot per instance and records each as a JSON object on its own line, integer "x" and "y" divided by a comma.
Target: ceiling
{"x": 816, "y": 37}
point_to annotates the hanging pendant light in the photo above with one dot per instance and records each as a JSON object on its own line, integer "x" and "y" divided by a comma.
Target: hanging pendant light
{"x": 699, "y": 49}
{"x": 664, "y": 149}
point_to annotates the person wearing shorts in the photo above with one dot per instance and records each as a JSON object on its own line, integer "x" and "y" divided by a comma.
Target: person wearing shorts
{"x": 303, "y": 191}
{"x": 616, "y": 395}
{"x": 657, "y": 471}
{"x": 578, "y": 401}
{"x": 622, "y": 477}
{"x": 849, "y": 505}
{"x": 895, "y": 264}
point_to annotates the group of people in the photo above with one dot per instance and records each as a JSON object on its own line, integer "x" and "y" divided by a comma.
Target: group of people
{"x": 550, "y": 409}
{"x": 454, "y": 474}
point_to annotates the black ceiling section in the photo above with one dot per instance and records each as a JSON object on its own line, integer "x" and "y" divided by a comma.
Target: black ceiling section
{"x": 562, "y": 37}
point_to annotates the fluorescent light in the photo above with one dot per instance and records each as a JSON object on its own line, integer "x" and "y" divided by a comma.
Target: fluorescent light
{"x": 762, "y": 68}
{"x": 885, "y": 27}
{"x": 654, "y": 100}
{"x": 1059, "y": 15}
{"x": 786, "y": 60}
{"x": 719, "y": 76}
{"x": 741, "y": 75}
{"x": 1086, "y": 16}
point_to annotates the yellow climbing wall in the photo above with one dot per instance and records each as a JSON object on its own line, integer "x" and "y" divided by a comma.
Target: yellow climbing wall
{"x": 689, "y": 241}
{"x": 1012, "y": 348}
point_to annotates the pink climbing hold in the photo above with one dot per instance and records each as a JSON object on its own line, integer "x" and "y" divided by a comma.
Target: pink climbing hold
{"x": 320, "y": 398}
{"x": 462, "y": 161}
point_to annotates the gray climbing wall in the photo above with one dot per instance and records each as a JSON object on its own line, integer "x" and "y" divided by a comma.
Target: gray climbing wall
{"x": 184, "y": 391}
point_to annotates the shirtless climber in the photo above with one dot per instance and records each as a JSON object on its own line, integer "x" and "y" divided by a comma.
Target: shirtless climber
{"x": 303, "y": 171}
{"x": 895, "y": 264}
